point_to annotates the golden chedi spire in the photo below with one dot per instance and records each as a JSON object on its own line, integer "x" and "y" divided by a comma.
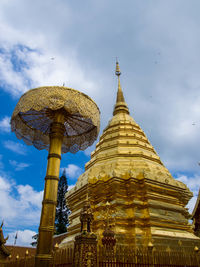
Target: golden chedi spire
{"x": 123, "y": 137}
{"x": 120, "y": 105}
{"x": 123, "y": 148}
{"x": 124, "y": 169}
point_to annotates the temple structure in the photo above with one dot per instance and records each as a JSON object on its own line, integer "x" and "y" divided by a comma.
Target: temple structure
{"x": 196, "y": 216}
{"x": 4, "y": 251}
{"x": 146, "y": 204}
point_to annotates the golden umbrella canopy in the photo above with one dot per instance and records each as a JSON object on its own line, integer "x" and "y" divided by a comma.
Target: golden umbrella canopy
{"x": 58, "y": 119}
{"x": 34, "y": 114}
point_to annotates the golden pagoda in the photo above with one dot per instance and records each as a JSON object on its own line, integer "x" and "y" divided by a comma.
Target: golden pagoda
{"x": 147, "y": 205}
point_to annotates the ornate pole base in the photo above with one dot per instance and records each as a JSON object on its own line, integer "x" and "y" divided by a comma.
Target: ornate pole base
{"x": 47, "y": 221}
{"x": 43, "y": 260}
{"x": 85, "y": 250}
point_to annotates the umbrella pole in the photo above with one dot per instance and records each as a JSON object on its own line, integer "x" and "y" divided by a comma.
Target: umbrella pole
{"x": 47, "y": 220}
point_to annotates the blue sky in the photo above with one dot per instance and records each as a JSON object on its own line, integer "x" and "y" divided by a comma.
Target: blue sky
{"x": 54, "y": 42}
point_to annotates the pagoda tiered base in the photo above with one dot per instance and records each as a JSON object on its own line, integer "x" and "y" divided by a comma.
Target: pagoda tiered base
{"x": 141, "y": 211}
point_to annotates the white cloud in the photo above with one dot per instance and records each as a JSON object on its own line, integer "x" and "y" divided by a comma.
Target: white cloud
{"x": 29, "y": 195}
{"x": 71, "y": 186}
{"x": 19, "y": 166}
{"x": 24, "y": 237}
{"x": 26, "y": 58}
{"x": 12, "y": 80}
{"x": 15, "y": 147}
{"x": 5, "y": 124}
{"x": 5, "y": 185}
{"x": 38, "y": 68}
{"x": 159, "y": 59}
{"x": 72, "y": 171}
{"x": 20, "y": 205}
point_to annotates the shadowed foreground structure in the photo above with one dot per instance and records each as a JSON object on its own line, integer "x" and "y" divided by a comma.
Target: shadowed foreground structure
{"x": 4, "y": 251}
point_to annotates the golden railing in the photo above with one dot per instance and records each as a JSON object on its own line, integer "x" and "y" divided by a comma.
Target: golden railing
{"x": 121, "y": 256}
{"x": 61, "y": 257}
{"x": 126, "y": 256}
{"x": 21, "y": 262}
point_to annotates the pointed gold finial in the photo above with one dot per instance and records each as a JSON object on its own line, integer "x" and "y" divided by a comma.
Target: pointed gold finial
{"x": 117, "y": 71}
{"x": 120, "y": 106}
{"x": 150, "y": 245}
{"x": 56, "y": 246}
{"x": 107, "y": 204}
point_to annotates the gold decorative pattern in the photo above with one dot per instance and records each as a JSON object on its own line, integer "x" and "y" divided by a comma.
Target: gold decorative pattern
{"x": 124, "y": 169}
{"x": 34, "y": 114}
{"x": 59, "y": 119}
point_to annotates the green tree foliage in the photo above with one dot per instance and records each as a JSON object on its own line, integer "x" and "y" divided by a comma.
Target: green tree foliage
{"x": 62, "y": 211}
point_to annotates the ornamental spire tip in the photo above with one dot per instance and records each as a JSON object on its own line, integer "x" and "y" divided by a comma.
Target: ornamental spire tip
{"x": 120, "y": 106}
{"x": 117, "y": 71}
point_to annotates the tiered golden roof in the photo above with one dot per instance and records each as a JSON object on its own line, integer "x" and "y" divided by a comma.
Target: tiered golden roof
{"x": 148, "y": 203}
{"x": 124, "y": 150}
